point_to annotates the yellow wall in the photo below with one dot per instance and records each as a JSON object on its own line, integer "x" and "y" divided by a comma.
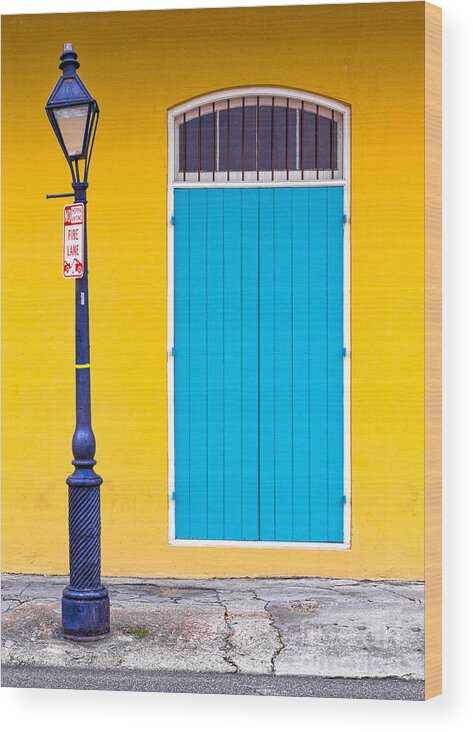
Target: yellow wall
{"x": 138, "y": 64}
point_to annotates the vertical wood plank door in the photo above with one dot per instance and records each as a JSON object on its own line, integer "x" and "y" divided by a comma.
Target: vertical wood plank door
{"x": 258, "y": 364}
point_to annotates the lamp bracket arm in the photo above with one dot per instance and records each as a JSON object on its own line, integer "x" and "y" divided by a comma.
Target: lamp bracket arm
{"x": 59, "y": 195}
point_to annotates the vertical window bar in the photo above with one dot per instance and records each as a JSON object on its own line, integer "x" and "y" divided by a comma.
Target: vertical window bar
{"x": 272, "y": 138}
{"x": 199, "y": 143}
{"x": 302, "y": 140}
{"x": 243, "y": 110}
{"x": 332, "y": 141}
{"x": 217, "y": 140}
{"x": 213, "y": 141}
{"x": 257, "y": 136}
{"x": 287, "y": 138}
{"x": 228, "y": 139}
{"x": 184, "y": 142}
{"x": 317, "y": 142}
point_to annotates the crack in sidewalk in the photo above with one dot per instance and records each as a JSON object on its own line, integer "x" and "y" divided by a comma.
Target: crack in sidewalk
{"x": 274, "y": 625}
{"x": 19, "y": 603}
{"x": 398, "y": 594}
{"x": 229, "y": 635}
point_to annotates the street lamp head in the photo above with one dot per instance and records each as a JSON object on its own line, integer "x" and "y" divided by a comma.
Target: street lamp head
{"x": 73, "y": 114}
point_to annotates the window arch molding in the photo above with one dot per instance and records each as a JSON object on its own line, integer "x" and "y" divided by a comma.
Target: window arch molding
{"x": 259, "y": 135}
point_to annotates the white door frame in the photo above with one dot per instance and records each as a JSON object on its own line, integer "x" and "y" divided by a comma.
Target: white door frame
{"x": 345, "y": 182}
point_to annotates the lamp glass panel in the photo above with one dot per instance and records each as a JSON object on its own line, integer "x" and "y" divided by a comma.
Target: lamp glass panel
{"x": 72, "y": 122}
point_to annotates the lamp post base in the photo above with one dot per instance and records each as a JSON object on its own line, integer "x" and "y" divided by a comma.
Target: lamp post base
{"x": 85, "y": 614}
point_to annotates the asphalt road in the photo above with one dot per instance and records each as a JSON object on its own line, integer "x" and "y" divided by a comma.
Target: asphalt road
{"x": 210, "y": 683}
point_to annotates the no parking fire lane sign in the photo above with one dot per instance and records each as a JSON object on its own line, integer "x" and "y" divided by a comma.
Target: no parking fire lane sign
{"x": 73, "y": 255}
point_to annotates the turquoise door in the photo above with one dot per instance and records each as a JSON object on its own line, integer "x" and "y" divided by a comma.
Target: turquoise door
{"x": 258, "y": 368}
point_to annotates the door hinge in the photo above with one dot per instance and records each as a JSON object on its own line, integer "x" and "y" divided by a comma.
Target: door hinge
{"x": 344, "y": 218}
{"x": 344, "y": 499}
{"x": 173, "y": 496}
{"x": 344, "y": 351}
{"x": 173, "y": 220}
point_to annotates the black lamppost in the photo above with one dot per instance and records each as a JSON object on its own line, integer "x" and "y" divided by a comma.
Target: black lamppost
{"x": 73, "y": 114}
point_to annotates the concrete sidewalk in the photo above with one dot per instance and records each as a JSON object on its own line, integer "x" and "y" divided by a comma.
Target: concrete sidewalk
{"x": 264, "y": 628}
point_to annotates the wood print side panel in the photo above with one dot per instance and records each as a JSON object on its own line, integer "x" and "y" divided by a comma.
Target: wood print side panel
{"x": 433, "y": 351}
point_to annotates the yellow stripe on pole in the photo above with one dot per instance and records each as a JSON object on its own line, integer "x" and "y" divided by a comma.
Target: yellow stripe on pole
{"x": 82, "y": 365}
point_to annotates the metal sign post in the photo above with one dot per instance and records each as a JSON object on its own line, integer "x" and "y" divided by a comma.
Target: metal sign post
{"x": 73, "y": 114}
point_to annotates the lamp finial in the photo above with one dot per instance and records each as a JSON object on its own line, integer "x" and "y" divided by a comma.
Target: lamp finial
{"x": 69, "y": 63}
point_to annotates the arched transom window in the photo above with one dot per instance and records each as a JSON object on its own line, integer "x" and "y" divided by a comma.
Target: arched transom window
{"x": 258, "y": 137}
